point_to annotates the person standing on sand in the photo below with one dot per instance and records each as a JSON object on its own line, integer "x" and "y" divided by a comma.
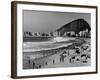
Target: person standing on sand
{"x": 62, "y": 57}
{"x": 33, "y": 65}
{"x": 53, "y": 61}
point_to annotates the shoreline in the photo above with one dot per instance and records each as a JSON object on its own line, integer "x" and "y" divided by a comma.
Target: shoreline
{"x": 33, "y": 50}
{"x": 55, "y": 40}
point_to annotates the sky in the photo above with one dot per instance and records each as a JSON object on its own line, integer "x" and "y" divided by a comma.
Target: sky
{"x": 47, "y": 21}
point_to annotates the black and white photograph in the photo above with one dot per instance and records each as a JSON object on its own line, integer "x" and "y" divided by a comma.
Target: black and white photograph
{"x": 56, "y": 39}
{"x": 53, "y": 39}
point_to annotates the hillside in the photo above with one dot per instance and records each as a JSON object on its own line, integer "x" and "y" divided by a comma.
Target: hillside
{"x": 75, "y": 26}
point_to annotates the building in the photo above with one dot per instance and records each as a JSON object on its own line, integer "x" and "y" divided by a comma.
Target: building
{"x": 27, "y": 34}
{"x": 84, "y": 33}
{"x": 55, "y": 34}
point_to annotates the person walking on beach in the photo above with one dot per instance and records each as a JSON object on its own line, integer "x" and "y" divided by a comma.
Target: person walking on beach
{"x": 53, "y": 61}
{"x": 33, "y": 65}
{"x": 62, "y": 57}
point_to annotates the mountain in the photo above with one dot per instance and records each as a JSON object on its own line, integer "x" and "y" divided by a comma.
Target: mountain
{"x": 75, "y": 26}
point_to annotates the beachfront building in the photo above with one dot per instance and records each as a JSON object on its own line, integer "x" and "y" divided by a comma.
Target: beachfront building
{"x": 33, "y": 34}
{"x": 70, "y": 33}
{"x": 38, "y": 34}
{"x": 55, "y": 34}
{"x": 65, "y": 34}
{"x": 84, "y": 33}
{"x": 50, "y": 34}
{"x": 27, "y": 34}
